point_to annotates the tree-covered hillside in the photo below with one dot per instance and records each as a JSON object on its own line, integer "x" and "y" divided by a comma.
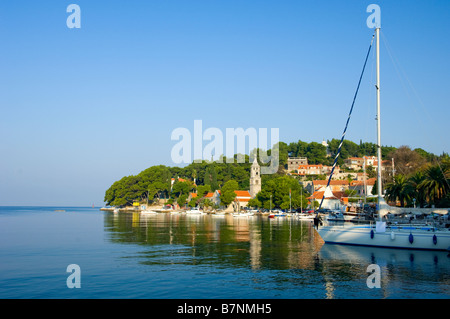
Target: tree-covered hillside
{"x": 155, "y": 182}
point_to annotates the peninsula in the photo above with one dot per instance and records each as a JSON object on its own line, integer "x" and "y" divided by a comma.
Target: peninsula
{"x": 411, "y": 178}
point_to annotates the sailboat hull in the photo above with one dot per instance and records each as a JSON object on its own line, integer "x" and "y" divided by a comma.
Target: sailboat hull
{"x": 405, "y": 237}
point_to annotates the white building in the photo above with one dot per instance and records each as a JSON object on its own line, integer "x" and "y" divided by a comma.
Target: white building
{"x": 331, "y": 200}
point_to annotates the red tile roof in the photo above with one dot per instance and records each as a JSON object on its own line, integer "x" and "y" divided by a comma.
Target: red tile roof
{"x": 370, "y": 181}
{"x": 242, "y": 194}
{"x": 310, "y": 166}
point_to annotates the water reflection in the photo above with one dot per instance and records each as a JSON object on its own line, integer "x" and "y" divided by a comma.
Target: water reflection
{"x": 401, "y": 269}
{"x": 223, "y": 240}
{"x": 284, "y": 255}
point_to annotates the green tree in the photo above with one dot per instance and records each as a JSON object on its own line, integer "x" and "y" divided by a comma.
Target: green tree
{"x": 348, "y": 149}
{"x": 254, "y": 202}
{"x": 206, "y": 203}
{"x": 155, "y": 189}
{"x": 181, "y": 188}
{"x": 125, "y": 191}
{"x": 435, "y": 184}
{"x": 371, "y": 172}
{"x": 414, "y": 183}
{"x": 181, "y": 200}
{"x": 193, "y": 202}
{"x": 278, "y": 188}
{"x": 202, "y": 190}
{"x": 147, "y": 184}
{"x": 316, "y": 153}
{"x": 298, "y": 149}
{"x": 367, "y": 149}
{"x": 119, "y": 202}
{"x": 211, "y": 177}
{"x": 430, "y": 157}
{"x": 227, "y": 192}
{"x": 375, "y": 188}
{"x": 399, "y": 189}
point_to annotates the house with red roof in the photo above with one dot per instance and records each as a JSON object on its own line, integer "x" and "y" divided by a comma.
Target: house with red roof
{"x": 241, "y": 200}
{"x": 304, "y": 170}
{"x": 331, "y": 200}
{"x": 335, "y": 185}
{"x": 363, "y": 188}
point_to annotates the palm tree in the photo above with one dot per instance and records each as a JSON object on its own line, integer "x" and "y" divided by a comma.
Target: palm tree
{"x": 206, "y": 203}
{"x": 436, "y": 183}
{"x": 399, "y": 189}
{"x": 416, "y": 191}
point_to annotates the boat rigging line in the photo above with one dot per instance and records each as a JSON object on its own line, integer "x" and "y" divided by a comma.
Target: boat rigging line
{"x": 316, "y": 219}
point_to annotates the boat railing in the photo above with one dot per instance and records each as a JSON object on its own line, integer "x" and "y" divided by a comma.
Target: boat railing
{"x": 407, "y": 227}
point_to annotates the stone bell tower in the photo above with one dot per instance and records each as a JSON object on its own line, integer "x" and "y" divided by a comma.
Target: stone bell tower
{"x": 255, "y": 179}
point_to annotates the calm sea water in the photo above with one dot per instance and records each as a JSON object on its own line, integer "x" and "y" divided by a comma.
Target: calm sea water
{"x": 127, "y": 255}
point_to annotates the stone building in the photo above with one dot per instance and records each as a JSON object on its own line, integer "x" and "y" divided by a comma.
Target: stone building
{"x": 255, "y": 179}
{"x": 294, "y": 162}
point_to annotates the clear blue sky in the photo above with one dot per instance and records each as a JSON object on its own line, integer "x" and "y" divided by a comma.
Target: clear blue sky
{"x": 81, "y": 108}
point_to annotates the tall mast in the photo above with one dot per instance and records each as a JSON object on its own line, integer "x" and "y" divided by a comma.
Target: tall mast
{"x": 380, "y": 188}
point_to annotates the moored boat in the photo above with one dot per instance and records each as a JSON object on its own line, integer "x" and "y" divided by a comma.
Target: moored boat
{"x": 305, "y": 216}
{"x": 195, "y": 211}
{"x": 148, "y": 212}
{"x": 381, "y": 234}
{"x": 246, "y": 214}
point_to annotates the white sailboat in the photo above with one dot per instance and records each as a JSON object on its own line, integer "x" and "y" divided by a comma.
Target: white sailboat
{"x": 148, "y": 212}
{"x": 243, "y": 214}
{"x": 305, "y": 216}
{"x": 383, "y": 235}
{"x": 195, "y": 211}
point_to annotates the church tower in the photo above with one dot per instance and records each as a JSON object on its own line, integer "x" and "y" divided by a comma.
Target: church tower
{"x": 255, "y": 179}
